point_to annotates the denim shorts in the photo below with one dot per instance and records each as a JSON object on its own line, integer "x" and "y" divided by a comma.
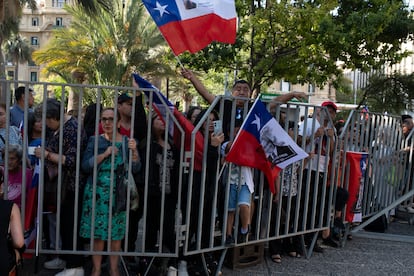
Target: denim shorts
{"x": 242, "y": 197}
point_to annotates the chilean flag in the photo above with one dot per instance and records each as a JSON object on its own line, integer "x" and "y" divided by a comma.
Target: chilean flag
{"x": 263, "y": 144}
{"x": 357, "y": 162}
{"x": 193, "y": 24}
{"x": 160, "y": 102}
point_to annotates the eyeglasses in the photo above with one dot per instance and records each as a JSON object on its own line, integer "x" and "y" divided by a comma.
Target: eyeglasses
{"x": 109, "y": 119}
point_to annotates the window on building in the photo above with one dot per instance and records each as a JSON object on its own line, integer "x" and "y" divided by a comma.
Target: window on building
{"x": 59, "y": 21}
{"x": 10, "y": 74}
{"x": 311, "y": 89}
{"x": 60, "y": 3}
{"x": 284, "y": 86}
{"x": 35, "y": 21}
{"x": 34, "y": 40}
{"x": 33, "y": 76}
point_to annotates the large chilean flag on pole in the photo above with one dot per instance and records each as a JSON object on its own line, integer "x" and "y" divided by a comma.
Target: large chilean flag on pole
{"x": 190, "y": 25}
{"x": 263, "y": 144}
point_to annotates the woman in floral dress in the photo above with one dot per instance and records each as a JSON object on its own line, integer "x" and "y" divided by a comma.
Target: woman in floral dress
{"x": 100, "y": 225}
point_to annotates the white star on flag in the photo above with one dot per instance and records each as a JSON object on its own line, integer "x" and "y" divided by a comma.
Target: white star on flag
{"x": 256, "y": 122}
{"x": 161, "y": 9}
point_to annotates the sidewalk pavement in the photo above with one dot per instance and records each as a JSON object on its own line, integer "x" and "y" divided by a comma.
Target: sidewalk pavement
{"x": 390, "y": 253}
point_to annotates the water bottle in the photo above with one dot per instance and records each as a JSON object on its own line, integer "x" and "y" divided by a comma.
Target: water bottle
{"x": 182, "y": 269}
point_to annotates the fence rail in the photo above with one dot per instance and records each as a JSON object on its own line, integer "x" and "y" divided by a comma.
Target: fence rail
{"x": 194, "y": 213}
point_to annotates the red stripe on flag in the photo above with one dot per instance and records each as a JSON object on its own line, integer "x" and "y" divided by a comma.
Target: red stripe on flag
{"x": 247, "y": 151}
{"x": 355, "y": 174}
{"x": 196, "y": 33}
{"x": 188, "y": 128}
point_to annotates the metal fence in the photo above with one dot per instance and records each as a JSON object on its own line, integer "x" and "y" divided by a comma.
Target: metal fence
{"x": 192, "y": 217}
{"x": 387, "y": 183}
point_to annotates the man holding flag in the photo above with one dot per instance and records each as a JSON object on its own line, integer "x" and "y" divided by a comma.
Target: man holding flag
{"x": 318, "y": 135}
{"x": 242, "y": 89}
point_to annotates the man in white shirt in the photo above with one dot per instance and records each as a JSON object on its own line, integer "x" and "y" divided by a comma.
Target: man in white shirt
{"x": 320, "y": 130}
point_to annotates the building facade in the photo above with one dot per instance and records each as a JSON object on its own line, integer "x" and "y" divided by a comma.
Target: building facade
{"x": 37, "y": 26}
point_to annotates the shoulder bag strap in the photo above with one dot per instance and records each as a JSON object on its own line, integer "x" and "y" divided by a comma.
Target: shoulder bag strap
{"x": 124, "y": 155}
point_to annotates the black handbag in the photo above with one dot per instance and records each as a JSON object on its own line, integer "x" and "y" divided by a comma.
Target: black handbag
{"x": 123, "y": 184}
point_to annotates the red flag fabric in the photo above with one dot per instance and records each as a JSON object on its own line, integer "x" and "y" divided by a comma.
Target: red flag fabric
{"x": 162, "y": 105}
{"x": 263, "y": 144}
{"x": 357, "y": 168}
{"x": 191, "y": 25}
{"x": 188, "y": 128}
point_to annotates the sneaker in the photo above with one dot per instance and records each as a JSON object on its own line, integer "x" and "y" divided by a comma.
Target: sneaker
{"x": 401, "y": 208}
{"x": 410, "y": 210}
{"x": 242, "y": 238}
{"x": 56, "y": 263}
{"x": 317, "y": 248}
{"x": 172, "y": 271}
{"x": 229, "y": 240}
{"x": 77, "y": 271}
{"x": 330, "y": 242}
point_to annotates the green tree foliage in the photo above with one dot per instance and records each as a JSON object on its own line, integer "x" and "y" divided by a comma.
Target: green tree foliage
{"x": 18, "y": 50}
{"x": 107, "y": 46}
{"x": 389, "y": 93}
{"x": 303, "y": 41}
{"x": 368, "y": 34}
{"x": 10, "y": 13}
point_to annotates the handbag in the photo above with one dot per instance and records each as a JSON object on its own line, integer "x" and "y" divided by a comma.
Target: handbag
{"x": 123, "y": 184}
{"x": 15, "y": 258}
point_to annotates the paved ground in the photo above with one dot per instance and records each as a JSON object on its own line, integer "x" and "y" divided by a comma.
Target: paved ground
{"x": 367, "y": 254}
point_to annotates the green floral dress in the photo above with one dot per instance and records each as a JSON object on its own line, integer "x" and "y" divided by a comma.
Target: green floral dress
{"x": 102, "y": 204}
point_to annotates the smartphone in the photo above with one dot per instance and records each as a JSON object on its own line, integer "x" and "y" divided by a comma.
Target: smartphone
{"x": 217, "y": 127}
{"x": 31, "y": 150}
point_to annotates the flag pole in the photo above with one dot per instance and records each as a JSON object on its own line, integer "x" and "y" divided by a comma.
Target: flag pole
{"x": 179, "y": 62}
{"x": 244, "y": 120}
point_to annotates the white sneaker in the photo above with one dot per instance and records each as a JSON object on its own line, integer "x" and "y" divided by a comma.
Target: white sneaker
{"x": 172, "y": 271}
{"x": 410, "y": 210}
{"x": 401, "y": 208}
{"x": 56, "y": 263}
{"x": 77, "y": 271}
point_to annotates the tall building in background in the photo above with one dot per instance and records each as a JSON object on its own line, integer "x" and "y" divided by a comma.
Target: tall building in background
{"x": 37, "y": 26}
{"x": 316, "y": 94}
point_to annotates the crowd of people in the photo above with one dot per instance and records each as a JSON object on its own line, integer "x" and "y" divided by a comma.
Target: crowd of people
{"x": 84, "y": 165}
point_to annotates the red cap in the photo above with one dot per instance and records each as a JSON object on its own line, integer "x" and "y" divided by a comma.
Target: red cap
{"x": 331, "y": 104}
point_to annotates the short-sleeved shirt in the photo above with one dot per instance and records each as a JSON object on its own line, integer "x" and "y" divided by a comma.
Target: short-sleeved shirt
{"x": 227, "y": 116}
{"x": 309, "y": 131}
{"x": 69, "y": 148}
{"x": 15, "y": 138}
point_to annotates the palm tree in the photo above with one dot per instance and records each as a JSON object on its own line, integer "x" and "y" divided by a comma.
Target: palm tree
{"x": 18, "y": 49}
{"x": 93, "y": 6}
{"x": 107, "y": 46}
{"x": 10, "y": 13}
{"x": 9, "y": 23}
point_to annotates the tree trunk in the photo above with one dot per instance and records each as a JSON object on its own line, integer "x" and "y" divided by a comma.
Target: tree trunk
{"x": 73, "y": 97}
{"x": 73, "y": 102}
{"x": 2, "y": 73}
{"x": 16, "y": 74}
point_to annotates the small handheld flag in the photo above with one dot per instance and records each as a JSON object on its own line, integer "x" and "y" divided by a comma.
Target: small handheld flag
{"x": 263, "y": 144}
